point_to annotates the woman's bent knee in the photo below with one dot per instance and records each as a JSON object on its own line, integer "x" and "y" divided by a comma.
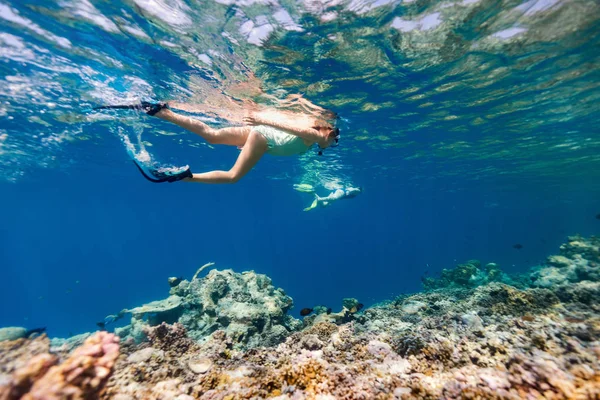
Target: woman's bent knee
{"x": 212, "y": 138}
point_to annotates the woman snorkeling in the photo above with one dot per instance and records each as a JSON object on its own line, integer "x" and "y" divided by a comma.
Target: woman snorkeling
{"x": 275, "y": 132}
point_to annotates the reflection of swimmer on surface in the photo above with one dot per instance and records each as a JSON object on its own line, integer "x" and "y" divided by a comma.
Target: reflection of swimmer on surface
{"x": 347, "y": 192}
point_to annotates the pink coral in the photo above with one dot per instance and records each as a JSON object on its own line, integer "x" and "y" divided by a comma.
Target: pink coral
{"x": 82, "y": 375}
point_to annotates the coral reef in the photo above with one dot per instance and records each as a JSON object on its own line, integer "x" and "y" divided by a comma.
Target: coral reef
{"x": 12, "y": 333}
{"x": 81, "y": 376}
{"x": 578, "y": 261}
{"x": 469, "y": 274}
{"x": 472, "y": 339}
{"x": 246, "y": 306}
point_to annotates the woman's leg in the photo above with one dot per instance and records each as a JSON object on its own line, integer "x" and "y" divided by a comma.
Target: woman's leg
{"x": 253, "y": 150}
{"x": 235, "y": 136}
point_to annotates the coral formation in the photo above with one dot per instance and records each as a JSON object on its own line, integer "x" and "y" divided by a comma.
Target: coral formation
{"x": 246, "y": 306}
{"x": 12, "y": 333}
{"x": 472, "y": 339}
{"x": 469, "y": 274}
{"x": 81, "y": 376}
{"x": 578, "y": 261}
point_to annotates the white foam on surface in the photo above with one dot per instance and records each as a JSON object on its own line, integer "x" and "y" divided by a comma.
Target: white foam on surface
{"x": 86, "y": 10}
{"x": 508, "y": 33}
{"x": 425, "y": 23}
{"x": 135, "y": 31}
{"x": 363, "y": 6}
{"x": 286, "y": 21}
{"x": 9, "y": 14}
{"x": 256, "y": 33}
{"x": 532, "y": 7}
{"x": 173, "y": 12}
{"x": 246, "y": 3}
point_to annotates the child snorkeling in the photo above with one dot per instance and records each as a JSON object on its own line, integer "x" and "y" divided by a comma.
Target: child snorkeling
{"x": 348, "y": 192}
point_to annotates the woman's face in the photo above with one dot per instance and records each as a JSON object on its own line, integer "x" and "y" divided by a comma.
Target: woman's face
{"x": 333, "y": 135}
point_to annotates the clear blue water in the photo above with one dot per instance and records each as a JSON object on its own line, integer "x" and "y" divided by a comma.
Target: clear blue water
{"x": 470, "y": 125}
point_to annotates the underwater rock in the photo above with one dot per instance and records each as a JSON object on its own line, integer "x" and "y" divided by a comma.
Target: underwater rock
{"x": 413, "y": 307}
{"x": 472, "y": 320}
{"x": 169, "y": 337}
{"x": 468, "y": 275}
{"x": 579, "y": 261}
{"x": 501, "y": 299}
{"x": 200, "y": 366}
{"x": 144, "y": 355}
{"x": 548, "y": 277}
{"x": 586, "y": 292}
{"x": 60, "y": 345}
{"x": 160, "y": 308}
{"x": 12, "y": 333}
{"x": 311, "y": 342}
{"x": 245, "y": 306}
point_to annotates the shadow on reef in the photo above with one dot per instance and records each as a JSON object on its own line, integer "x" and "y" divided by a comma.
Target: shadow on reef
{"x": 470, "y": 335}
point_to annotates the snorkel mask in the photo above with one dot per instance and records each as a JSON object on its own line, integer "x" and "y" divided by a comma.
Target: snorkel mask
{"x": 335, "y": 143}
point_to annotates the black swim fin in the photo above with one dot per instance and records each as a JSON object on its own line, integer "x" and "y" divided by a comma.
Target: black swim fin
{"x": 157, "y": 176}
{"x": 148, "y": 108}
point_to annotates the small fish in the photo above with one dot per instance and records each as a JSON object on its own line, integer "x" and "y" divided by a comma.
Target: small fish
{"x": 38, "y": 331}
{"x": 109, "y": 319}
{"x": 356, "y": 308}
{"x": 305, "y": 311}
{"x": 518, "y": 246}
{"x": 597, "y": 216}
{"x": 175, "y": 280}
{"x": 328, "y": 310}
{"x": 101, "y": 325}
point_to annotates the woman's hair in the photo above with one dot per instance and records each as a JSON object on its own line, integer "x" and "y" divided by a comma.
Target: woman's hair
{"x": 321, "y": 123}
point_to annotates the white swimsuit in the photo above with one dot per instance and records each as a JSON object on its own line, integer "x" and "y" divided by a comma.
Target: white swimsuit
{"x": 280, "y": 142}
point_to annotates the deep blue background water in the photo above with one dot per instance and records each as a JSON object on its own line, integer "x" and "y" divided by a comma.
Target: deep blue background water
{"x": 81, "y": 244}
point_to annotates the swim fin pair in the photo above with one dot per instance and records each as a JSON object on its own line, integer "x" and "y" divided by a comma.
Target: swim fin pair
{"x": 164, "y": 175}
{"x": 155, "y": 175}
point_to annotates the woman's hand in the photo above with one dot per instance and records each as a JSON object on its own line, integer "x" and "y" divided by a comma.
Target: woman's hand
{"x": 251, "y": 119}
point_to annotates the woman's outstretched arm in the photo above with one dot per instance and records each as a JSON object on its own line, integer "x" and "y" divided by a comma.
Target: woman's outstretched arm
{"x": 287, "y": 125}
